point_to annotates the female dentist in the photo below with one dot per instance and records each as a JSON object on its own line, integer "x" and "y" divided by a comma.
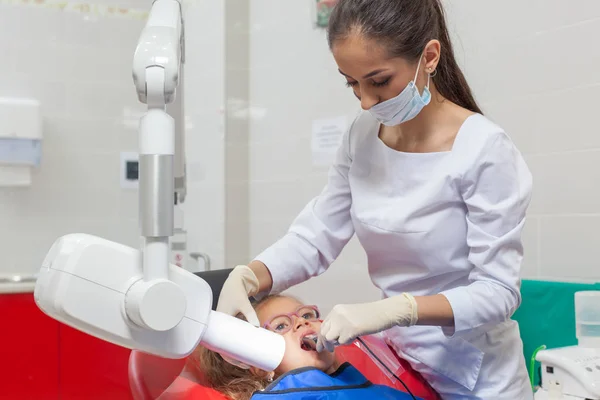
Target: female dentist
{"x": 436, "y": 194}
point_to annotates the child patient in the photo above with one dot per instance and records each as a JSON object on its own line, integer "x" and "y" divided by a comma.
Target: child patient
{"x": 281, "y": 314}
{"x": 294, "y": 321}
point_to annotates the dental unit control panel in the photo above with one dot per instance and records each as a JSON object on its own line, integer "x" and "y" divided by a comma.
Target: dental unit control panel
{"x": 569, "y": 373}
{"x": 134, "y": 297}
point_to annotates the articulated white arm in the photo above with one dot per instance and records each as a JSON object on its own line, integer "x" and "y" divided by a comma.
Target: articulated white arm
{"x": 157, "y": 64}
{"x": 138, "y": 299}
{"x": 158, "y": 74}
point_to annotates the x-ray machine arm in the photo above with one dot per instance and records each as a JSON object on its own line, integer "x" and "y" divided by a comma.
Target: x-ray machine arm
{"x": 134, "y": 298}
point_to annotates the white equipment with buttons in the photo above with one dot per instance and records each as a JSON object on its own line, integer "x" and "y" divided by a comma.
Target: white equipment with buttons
{"x": 569, "y": 373}
{"x": 573, "y": 372}
{"x": 137, "y": 298}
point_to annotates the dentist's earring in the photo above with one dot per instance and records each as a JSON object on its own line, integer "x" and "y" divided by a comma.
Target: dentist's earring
{"x": 270, "y": 377}
{"x": 434, "y": 72}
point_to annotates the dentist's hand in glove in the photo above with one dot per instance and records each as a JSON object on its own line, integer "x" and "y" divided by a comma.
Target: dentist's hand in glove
{"x": 233, "y": 300}
{"x": 241, "y": 284}
{"x": 346, "y": 322}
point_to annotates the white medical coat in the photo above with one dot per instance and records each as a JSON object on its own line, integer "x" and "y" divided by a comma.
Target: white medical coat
{"x": 447, "y": 222}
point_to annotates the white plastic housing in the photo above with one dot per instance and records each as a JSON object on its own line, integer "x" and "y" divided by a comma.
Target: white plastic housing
{"x": 543, "y": 394}
{"x": 242, "y": 341}
{"x": 20, "y": 140}
{"x": 85, "y": 282}
{"x": 159, "y": 45}
{"x": 158, "y": 304}
{"x": 20, "y": 118}
{"x": 575, "y": 369}
{"x": 20, "y": 132}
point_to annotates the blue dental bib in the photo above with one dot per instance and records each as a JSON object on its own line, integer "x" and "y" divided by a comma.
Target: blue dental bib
{"x": 347, "y": 383}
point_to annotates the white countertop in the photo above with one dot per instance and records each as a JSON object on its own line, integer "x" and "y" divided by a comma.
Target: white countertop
{"x": 16, "y": 284}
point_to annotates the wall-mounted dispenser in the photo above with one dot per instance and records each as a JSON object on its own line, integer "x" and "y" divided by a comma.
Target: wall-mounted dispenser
{"x": 20, "y": 140}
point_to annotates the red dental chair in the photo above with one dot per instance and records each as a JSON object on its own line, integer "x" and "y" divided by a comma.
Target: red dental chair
{"x": 155, "y": 378}
{"x": 150, "y": 376}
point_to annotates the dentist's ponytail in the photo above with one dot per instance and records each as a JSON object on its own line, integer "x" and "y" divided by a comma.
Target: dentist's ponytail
{"x": 405, "y": 27}
{"x": 449, "y": 79}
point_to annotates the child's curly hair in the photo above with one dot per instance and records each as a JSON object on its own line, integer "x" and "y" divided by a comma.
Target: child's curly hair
{"x": 213, "y": 371}
{"x": 235, "y": 383}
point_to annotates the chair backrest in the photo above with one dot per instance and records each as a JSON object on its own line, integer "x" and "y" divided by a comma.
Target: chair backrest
{"x": 150, "y": 376}
{"x": 216, "y": 280}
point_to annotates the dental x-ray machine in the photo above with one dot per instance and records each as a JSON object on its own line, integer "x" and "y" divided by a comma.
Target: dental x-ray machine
{"x": 134, "y": 298}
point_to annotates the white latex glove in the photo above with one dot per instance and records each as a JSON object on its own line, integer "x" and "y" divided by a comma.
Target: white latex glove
{"x": 241, "y": 284}
{"x": 346, "y": 322}
{"x": 233, "y": 300}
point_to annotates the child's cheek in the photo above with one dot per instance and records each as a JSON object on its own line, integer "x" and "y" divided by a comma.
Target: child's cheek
{"x": 290, "y": 358}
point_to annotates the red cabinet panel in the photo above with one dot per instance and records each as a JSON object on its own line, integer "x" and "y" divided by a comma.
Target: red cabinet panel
{"x": 28, "y": 350}
{"x": 42, "y": 359}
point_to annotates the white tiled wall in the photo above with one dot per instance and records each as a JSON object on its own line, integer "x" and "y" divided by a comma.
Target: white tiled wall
{"x": 205, "y": 135}
{"x": 237, "y": 211}
{"x": 530, "y": 64}
{"x": 532, "y": 67}
{"x": 295, "y": 80}
{"x": 79, "y": 66}
{"x": 531, "y": 81}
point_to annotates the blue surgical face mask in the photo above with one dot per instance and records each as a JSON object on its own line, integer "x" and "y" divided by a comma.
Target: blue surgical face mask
{"x": 405, "y": 106}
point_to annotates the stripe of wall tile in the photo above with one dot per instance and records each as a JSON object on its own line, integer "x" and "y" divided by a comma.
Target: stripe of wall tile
{"x": 237, "y": 18}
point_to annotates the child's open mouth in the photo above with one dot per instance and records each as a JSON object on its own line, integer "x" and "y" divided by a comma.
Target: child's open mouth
{"x": 309, "y": 342}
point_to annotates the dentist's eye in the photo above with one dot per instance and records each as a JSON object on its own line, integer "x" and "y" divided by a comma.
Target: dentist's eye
{"x": 383, "y": 83}
{"x": 351, "y": 84}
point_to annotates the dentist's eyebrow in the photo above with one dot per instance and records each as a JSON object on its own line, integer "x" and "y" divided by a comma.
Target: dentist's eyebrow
{"x": 369, "y": 75}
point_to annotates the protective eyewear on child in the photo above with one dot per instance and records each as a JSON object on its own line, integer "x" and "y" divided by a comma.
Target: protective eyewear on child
{"x": 283, "y": 323}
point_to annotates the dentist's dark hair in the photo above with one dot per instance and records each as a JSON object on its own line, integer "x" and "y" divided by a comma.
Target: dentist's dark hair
{"x": 404, "y": 27}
